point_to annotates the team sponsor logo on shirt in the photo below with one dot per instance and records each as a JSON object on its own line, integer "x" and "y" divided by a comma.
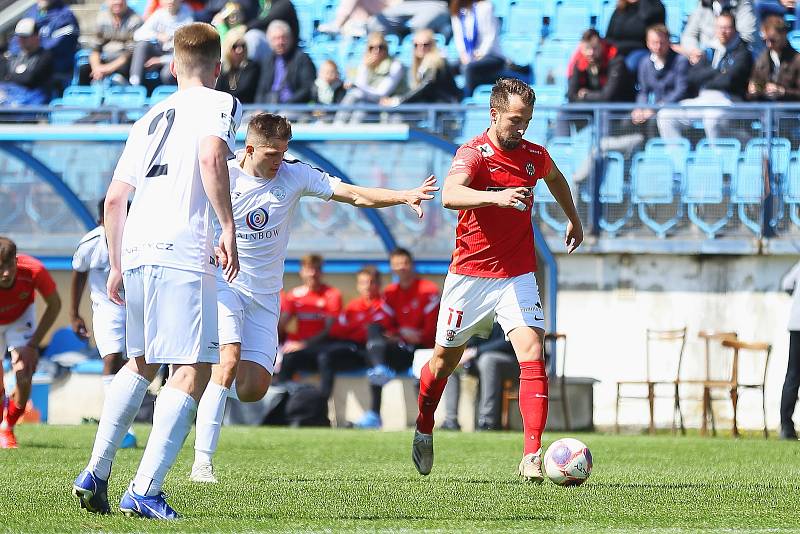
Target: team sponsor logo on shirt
{"x": 530, "y": 168}
{"x": 485, "y": 150}
{"x": 278, "y": 192}
{"x": 257, "y": 219}
{"x": 450, "y": 335}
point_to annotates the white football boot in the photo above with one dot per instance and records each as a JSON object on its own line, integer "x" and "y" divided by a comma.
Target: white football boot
{"x": 203, "y": 472}
{"x": 530, "y": 468}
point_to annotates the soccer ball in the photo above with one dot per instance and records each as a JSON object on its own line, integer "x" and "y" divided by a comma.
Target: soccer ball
{"x": 568, "y": 462}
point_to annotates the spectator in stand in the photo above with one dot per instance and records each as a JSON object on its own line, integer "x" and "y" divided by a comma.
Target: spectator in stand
{"x": 475, "y": 32}
{"x": 257, "y": 42}
{"x": 429, "y": 77}
{"x": 154, "y": 5}
{"x": 407, "y": 16}
{"x": 379, "y": 76}
{"x": 229, "y": 17}
{"x": 154, "y": 46}
{"x": 720, "y": 76}
{"x": 700, "y": 32}
{"x": 287, "y": 73}
{"x": 239, "y": 75}
{"x": 26, "y": 75}
{"x": 113, "y": 44}
{"x": 58, "y": 34}
{"x": 352, "y": 16}
{"x": 782, "y": 8}
{"x": 315, "y": 306}
{"x": 627, "y": 28}
{"x": 776, "y": 74}
{"x": 598, "y": 75}
{"x": 413, "y": 305}
{"x": 328, "y": 87}
{"x": 662, "y": 78}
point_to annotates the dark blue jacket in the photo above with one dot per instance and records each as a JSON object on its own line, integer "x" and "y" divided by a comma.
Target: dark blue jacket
{"x": 58, "y": 31}
{"x": 667, "y": 86}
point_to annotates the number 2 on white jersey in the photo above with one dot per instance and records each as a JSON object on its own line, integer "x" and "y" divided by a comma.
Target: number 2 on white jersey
{"x": 156, "y": 168}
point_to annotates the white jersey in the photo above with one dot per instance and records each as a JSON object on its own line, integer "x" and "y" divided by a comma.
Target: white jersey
{"x": 92, "y": 256}
{"x": 169, "y": 223}
{"x": 262, "y": 211}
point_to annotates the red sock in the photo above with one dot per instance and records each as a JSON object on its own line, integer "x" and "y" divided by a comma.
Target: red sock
{"x": 14, "y": 412}
{"x": 533, "y": 403}
{"x": 2, "y": 401}
{"x": 430, "y": 393}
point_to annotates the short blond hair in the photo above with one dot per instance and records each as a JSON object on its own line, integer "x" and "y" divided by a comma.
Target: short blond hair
{"x": 197, "y": 48}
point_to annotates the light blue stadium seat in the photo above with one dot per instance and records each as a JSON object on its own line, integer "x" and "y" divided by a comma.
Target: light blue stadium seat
{"x": 518, "y": 50}
{"x": 482, "y": 93}
{"x": 524, "y": 19}
{"x": 475, "y": 119}
{"x": 794, "y": 39}
{"x": 563, "y": 154}
{"x": 791, "y": 190}
{"x": 704, "y": 185}
{"x": 675, "y": 16}
{"x": 653, "y": 184}
{"x": 127, "y": 97}
{"x": 550, "y": 69}
{"x": 747, "y": 188}
{"x": 778, "y": 155}
{"x": 550, "y": 95}
{"x": 160, "y": 93}
{"x": 728, "y": 150}
{"x": 571, "y": 18}
{"x": 138, "y": 5}
{"x": 612, "y": 192}
{"x": 676, "y": 149}
{"x": 85, "y": 96}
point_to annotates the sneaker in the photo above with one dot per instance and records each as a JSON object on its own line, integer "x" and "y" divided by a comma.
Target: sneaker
{"x": 788, "y": 432}
{"x": 451, "y": 424}
{"x": 7, "y": 438}
{"x": 422, "y": 452}
{"x": 530, "y": 468}
{"x": 380, "y": 375}
{"x": 203, "y": 472}
{"x": 129, "y": 441}
{"x": 92, "y": 492}
{"x": 155, "y": 507}
{"x": 370, "y": 420}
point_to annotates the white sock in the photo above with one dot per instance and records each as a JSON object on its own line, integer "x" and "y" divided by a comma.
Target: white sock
{"x": 107, "y": 380}
{"x": 172, "y": 420}
{"x": 123, "y": 399}
{"x": 210, "y": 412}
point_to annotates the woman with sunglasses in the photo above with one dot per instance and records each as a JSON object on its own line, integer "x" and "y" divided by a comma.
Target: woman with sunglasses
{"x": 239, "y": 75}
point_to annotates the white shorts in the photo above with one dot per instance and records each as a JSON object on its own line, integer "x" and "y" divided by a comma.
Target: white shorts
{"x": 171, "y": 315}
{"x": 108, "y": 327}
{"x": 18, "y": 333}
{"x": 471, "y": 305}
{"x": 251, "y": 321}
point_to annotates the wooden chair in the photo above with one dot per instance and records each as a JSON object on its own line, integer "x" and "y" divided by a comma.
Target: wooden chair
{"x": 733, "y": 385}
{"x": 709, "y": 337}
{"x": 511, "y": 389}
{"x": 653, "y": 378}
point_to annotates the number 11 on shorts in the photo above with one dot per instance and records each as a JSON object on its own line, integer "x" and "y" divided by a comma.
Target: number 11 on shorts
{"x": 459, "y": 316}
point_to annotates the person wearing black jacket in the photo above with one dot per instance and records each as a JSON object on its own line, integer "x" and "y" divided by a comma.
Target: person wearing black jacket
{"x": 720, "y": 78}
{"x": 287, "y": 74}
{"x": 239, "y": 75}
{"x": 627, "y": 29}
{"x": 599, "y": 78}
{"x": 26, "y": 75}
{"x": 257, "y": 46}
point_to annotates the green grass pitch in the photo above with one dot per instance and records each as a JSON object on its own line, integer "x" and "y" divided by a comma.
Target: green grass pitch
{"x": 276, "y": 479}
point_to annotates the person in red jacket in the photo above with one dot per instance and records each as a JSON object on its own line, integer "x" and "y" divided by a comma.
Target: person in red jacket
{"x": 412, "y": 304}
{"x": 20, "y": 277}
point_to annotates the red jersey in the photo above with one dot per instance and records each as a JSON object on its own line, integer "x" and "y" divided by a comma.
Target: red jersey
{"x": 494, "y": 242}
{"x": 31, "y": 275}
{"x": 358, "y": 314}
{"x": 416, "y": 307}
{"x": 311, "y": 309}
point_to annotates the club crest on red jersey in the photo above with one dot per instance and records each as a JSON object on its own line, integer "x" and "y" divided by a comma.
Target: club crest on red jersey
{"x": 530, "y": 168}
{"x": 485, "y": 150}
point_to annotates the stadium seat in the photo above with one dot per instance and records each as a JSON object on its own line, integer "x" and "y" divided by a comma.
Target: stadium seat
{"x": 563, "y": 155}
{"x": 160, "y": 93}
{"x": 550, "y": 69}
{"x": 524, "y": 19}
{"x": 794, "y": 39}
{"x": 676, "y": 149}
{"x": 675, "y": 16}
{"x": 482, "y": 93}
{"x": 570, "y": 20}
{"x": 84, "y": 96}
{"x": 612, "y": 191}
{"x": 550, "y": 95}
{"x": 475, "y": 119}
{"x": 653, "y": 184}
{"x": 728, "y": 150}
{"x": 778, "y": 155}
{"x": 704, "y": 185}
{"x": 127, "y": 97}
{"x": 518, "y": 50}
{"x": 747, "y": 188}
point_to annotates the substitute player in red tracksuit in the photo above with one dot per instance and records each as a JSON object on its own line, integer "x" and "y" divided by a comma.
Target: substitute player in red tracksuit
{"x": 20, "y": 277}
{"x": 491, "y": 276}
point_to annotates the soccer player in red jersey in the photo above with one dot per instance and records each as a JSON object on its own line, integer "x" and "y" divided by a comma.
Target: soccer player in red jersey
{"x": 412, "y": 303}
{"x": 20, "y": 276}
{"x": 491, "y": 275}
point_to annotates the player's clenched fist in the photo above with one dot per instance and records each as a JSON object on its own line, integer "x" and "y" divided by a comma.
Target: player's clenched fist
{"x": 423, "y": 192}
{"x": 516, "y": 197}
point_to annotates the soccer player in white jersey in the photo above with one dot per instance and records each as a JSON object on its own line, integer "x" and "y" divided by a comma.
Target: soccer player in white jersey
{"x": 266, "y": 189}
{"x": 90, "y": 263}
{"x": 175, "y": 164}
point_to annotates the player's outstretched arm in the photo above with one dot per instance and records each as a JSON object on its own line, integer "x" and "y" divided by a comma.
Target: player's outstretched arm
{"x": 559, "y": 187}
{"x": 457, "y": 195}
{"x": 377, "y": 197}
{"x": 217, "y": 185}
{"x": 115, "y": 212}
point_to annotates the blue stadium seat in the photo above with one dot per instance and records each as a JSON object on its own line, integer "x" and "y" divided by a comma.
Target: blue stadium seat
{"x": 138, "y": 5}
{"x": 728, "y": 150}
{"x": 160, "y": 93}
{"x": 550, "y": 70}
{"x": 518, "y": 50}
{"x": 475, "y": 115}
{"x": 676, "y": 149}
{"x": 791, "y": 190}
{"x": 482, "y": 93}
{"x": 570, "y": 19}
{"x": 84, "y": 96}
{"x": 794, "y": 39}
{"x": 675, "y": 16}
{"x": 563, "y": 154}
{"x": 653, "y": 184}
{"x": 778, "y": 155}
{"x": 612, "y": 192}
{"x": 747, "y": 188}
{"x": 550, "y": 95}
{"x": 524, "y": 19}
{"x": 127, "y": 97}
{"x": 704, "y": 185}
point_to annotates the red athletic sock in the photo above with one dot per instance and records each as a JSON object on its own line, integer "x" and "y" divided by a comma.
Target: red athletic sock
{"x": 430, "y": 393}
{"x": 14, "y": 412}
{"x": 533, "y": 403}
{"x": 2, "y": 400}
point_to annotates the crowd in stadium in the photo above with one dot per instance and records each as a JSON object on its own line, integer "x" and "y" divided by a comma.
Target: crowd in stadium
{"x": 728, "y": 50}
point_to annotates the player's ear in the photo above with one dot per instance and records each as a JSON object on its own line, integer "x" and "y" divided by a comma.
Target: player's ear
{"x": 218, "y": 69}
{"x": 493, "y": 114}
{"x": 172, "y": 69}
